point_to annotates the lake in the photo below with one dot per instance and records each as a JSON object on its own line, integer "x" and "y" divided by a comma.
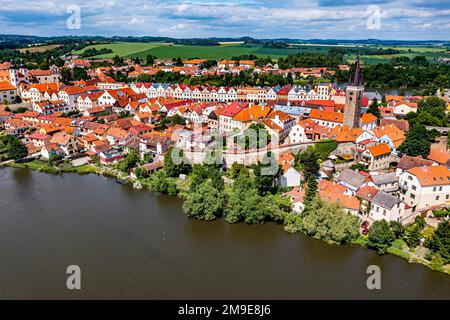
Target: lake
{"x": 139, "y": 245}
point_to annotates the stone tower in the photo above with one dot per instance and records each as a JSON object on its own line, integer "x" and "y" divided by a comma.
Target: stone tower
{"x": 353, "y": 98}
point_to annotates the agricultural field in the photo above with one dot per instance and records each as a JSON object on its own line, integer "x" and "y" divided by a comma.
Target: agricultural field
{"x": 39, "y": 48}
{"x": 123, "y": 49}
{"x": 224, "y": 51}
{"x": 228, "y": 50}
{"x": 430, "y": 52}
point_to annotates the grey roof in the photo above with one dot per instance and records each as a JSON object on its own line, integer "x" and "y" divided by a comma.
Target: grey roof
{"x": 385, "y": 200}
{"x": 292, "y": 110}
{"x": 352, "y": 178}
{"x": 385, "y": 178}
{"x": 329, "y": 164}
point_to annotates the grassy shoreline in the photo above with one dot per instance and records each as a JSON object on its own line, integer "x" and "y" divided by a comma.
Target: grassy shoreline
{"x": 398, "y": 248}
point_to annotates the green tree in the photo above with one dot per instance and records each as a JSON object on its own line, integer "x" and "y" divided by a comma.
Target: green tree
{"x": 80, "y": 74}
{"x": 178, "y": 120}
{"x": 311, "y": 192}
{"x": 175, "y": 168}
{"x": 129, "y": 162}
{"x": 178, "y": 62}
{"x": 150, "y": 59}
{"x": 266, "y": 176}
{"x": 66, "y": 76}
{"x": 309, "y": 162}
{"x": 419, "y": 221}
{"x": 328, "y": 222}
{"x": 255, "y": 137}
{"x": 245, "y": 204}
{"x": 440, "y": 241}
{"x": 236, "y": 169}
{"x": 417, "y": 142}
{"x": 14, "y": 147}
{"x": 380, "y": 236}
{"x": 373, "y": 108}
{"x": 397, "y": 228}
{"x": 206, "y": 203}
{"x": 160, "y": 182}
{"x": 199, "y": 176}
{"x": 413, "y": 236}
{"x": 141, "y": 173}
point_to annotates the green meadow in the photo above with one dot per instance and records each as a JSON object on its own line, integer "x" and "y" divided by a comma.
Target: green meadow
{"x": 226, "y": 51}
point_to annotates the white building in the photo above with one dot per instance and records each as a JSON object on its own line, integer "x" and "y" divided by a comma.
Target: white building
{"x": 425, "y": 187}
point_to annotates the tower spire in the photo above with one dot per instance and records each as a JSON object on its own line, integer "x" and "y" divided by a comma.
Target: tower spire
{"x": 356, "y": 79}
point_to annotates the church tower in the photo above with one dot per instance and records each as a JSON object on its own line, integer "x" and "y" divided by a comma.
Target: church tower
{"x": 353, "y": 98}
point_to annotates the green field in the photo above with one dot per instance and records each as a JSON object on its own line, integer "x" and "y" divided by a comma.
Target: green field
{"x": 226, "y": 51}
{"x": 123, "y": 49}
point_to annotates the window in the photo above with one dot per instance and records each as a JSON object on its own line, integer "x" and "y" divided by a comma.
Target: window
{"x": 437, "y": 197}
{"x": 434, "y": 189}
{"x": 413, "y": 196}
{"x": 440, "y": 188}
{"x": 414, "y": 187}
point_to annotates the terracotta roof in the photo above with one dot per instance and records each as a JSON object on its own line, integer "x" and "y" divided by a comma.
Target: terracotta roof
{"x": 368, "y": 118}
{"x": 395, "y": 134}
{"x": 329, "y": 186}
{"x": 6, "y": 86}
{"x": 327, "y": 116}
{"x": 431, "y": 175}
{"x": 71, "y": 90}
{"x": 60, "y": 138}
{"x": 233, "y": 109}
{"x": 367, "y": 193}
{"x": 297, "y": 194}
{"x": 345, "y": 134}
{"x": 379, "y": 150}
{"x": 408, "y": 162}
{"x": 439, "y": 156}
{"x": 346, "y": 201}
{"x": 401, "y": 124}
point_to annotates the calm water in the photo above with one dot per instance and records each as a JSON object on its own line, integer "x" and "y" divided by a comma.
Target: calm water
{"x": 140, "y": 245}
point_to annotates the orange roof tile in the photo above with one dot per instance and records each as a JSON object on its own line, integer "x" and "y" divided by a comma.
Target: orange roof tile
{"x": 329, "y": 116}
{"x": 431, "y": 175}
{"x": 439, "y": 156}
{"x": 380, "y": 150}
{"x": 368, "y": 118}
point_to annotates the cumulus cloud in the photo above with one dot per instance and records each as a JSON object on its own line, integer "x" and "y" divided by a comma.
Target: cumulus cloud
{"x": 206, "y": 18}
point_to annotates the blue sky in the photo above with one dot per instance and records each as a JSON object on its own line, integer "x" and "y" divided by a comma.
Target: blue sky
{"x": 325, "y": 19}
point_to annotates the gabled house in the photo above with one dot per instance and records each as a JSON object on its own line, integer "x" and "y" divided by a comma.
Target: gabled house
{"x": 377, "y": 157}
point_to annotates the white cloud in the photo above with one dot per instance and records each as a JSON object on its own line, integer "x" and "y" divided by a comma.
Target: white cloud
{"x": 296, "y": 19}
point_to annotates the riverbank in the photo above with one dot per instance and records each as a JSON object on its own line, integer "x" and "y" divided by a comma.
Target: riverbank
{"x": 398, "y": 247}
